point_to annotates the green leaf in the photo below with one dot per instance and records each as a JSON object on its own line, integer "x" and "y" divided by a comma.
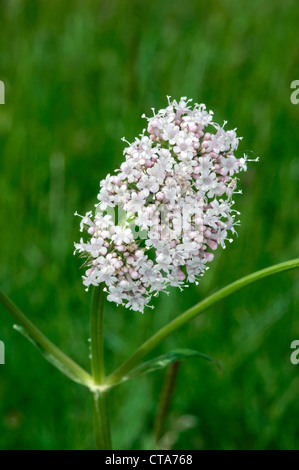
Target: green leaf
{"x": 165, "y": 360}
{"x": 49, "y": 357}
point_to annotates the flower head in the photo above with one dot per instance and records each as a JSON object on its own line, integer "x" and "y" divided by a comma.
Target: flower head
{"x": 173, "y": 198}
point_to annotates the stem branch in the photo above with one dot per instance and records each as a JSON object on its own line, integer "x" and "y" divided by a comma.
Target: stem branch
{"x": 157, "y": 338}
{"x": 76, "y": 372}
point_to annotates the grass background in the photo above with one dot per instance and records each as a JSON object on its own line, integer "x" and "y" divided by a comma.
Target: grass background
{"x": 78, "y": 76}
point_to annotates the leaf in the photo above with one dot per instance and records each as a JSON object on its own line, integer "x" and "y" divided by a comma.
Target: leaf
{"x": 165, "y": 360}
{"x": 55, "y": 362}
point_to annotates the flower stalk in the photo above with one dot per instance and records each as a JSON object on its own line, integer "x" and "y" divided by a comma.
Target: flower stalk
{"x": 101, "y": 408}
{"x": 117, "y": 376}
{"x": 97, "y": 335}
{"x": 101, "y": 421}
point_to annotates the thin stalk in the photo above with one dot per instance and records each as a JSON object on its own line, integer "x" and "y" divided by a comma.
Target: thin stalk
{"x": 78, "y": 374}
{"x": 101, "y": 421}
{"x": 117, "y": 376}
{"x": 165, "y": 399}
{"x": 97, "y": 334}
{"x": 100, "y": 394}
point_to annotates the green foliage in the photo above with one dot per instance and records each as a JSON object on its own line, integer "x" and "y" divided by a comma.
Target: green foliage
{"x": 161, "y": 362}
{"x": 49, "y": 357}
{"x": 78, "y": 76}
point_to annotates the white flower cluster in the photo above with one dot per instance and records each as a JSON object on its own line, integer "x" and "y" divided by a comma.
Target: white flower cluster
{"x": 175, "y": 190}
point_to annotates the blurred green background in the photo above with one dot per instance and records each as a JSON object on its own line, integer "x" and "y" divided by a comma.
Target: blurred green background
{"x": 78, "y": 76}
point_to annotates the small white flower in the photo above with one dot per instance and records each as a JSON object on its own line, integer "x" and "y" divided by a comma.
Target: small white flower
{"x": 136, "y": 202}
{"x": 157, "y": 172}
{"x": 122, "y": 236}
{"x": 148, "y": 184}
{"x": 230, "y": 165}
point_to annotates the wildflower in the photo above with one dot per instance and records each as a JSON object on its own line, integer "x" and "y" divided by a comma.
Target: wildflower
{"x": 175, "y": 191}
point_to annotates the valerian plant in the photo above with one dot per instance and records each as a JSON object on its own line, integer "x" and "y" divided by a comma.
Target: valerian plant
{"x": 157, "y": 222}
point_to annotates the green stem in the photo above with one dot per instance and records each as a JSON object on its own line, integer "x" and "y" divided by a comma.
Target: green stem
{"x": 101, "y": 421}
{"x": 97, "y": 334}
{"x": 165, "y": 399}
{"x": 101, "y": 408}
{"x": 117, "y": 376}
{"x": 63, "y": 362}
